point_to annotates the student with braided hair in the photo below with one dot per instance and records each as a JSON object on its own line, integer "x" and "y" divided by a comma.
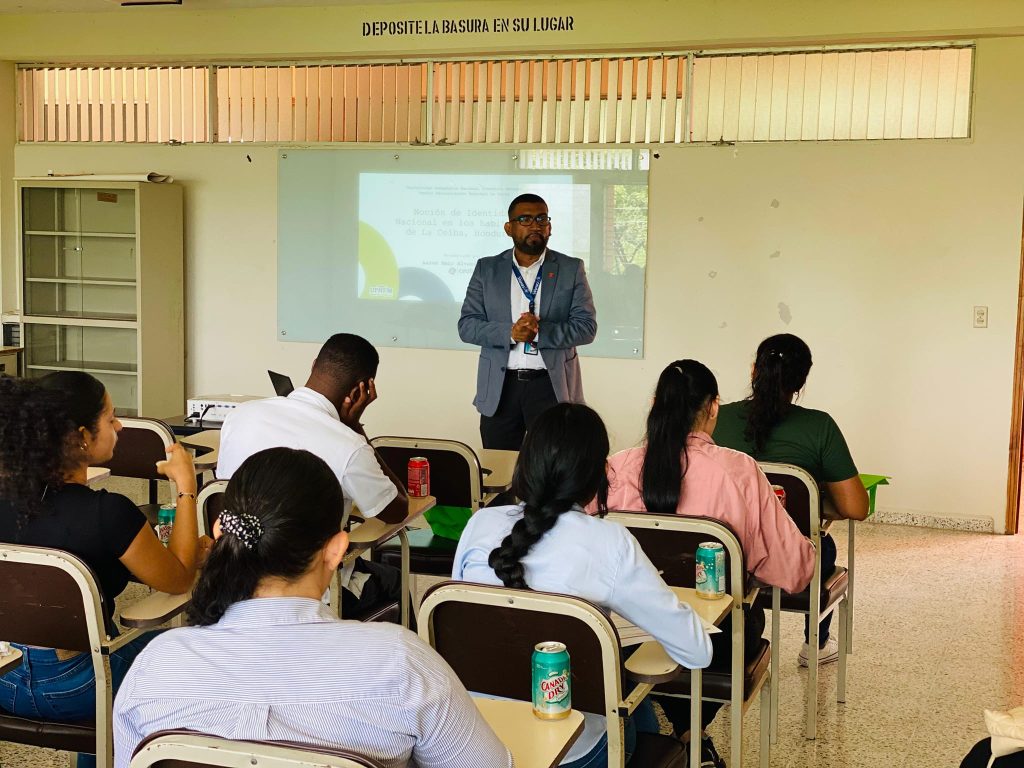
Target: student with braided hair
{"x": 549, "y": 543}
{"x": 268, "y": 661}
{"x": 770, "y": 427}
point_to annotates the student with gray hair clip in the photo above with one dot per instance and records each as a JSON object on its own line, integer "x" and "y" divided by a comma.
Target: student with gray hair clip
{"x": 268, "y": 661}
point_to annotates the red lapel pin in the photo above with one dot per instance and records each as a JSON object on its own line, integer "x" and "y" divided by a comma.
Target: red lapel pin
{"x": 551, "y": 274}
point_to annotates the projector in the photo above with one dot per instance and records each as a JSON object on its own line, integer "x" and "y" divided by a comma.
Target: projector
{"x": 215, "y": 407}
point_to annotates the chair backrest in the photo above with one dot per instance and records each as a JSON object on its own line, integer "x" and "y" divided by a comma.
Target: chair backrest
{"x": 49, "y": 598}
{"x": 671, "y": 541}
{"x": 209, "y": 505}
{"x": 187, "y": 749}
{"x": 455, "y": 474}
{"x": 140, "y": 444}
{"x": 488, "y": 634}
{"x": 803, "y": 500}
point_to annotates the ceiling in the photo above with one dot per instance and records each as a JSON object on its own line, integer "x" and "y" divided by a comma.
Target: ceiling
{"x": 90, "y": 6}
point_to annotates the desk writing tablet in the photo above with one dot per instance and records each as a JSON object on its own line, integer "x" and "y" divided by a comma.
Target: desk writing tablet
{"x": 94, "y": 474}
{"x": 534, "y": 743}
{"x": 155, "y": 610}
{"x": 9, "y": 661}
{"x": 501, "y": 465}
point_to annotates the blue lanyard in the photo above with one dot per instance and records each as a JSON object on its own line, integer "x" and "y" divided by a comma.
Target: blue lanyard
{"x": 530, "y": 295}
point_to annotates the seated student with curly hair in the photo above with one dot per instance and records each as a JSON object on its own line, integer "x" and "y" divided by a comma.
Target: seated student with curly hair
{"x": 550, "y": 543}
{"x": 51, "y": 431}
{"x": 268, "y": 661}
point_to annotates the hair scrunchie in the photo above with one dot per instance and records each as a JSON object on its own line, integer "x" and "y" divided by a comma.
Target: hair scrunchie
{"x": 247, "y": 528}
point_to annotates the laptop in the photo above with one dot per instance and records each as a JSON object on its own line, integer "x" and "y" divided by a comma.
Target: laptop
{"x": 282, "y": 384}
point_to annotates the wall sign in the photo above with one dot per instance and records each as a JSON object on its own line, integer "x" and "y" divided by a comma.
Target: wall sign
{"x": 504, "y": 24}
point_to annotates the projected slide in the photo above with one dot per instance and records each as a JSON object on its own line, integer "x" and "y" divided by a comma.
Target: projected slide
{"x": 383, "y": 242}
{"x": 424, "y": 243}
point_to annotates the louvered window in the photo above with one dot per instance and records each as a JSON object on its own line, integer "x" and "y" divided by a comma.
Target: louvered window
{"x": 912, "y": 93}
{"x": 114, "y": 104}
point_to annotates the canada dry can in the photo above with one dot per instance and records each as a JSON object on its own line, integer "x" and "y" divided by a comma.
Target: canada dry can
{"x": 781, "y": 493}
{"x": 419, "y": 476}
{"x": 165, "y": 523}
{"x": 710, "y": 570}
{"x": 552, "y": 694}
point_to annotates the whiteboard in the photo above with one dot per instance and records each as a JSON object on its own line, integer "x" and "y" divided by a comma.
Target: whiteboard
{"x": 382, "y": 243}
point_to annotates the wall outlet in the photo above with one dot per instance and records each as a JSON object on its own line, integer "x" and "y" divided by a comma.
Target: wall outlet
{"x": 981, "y": 317}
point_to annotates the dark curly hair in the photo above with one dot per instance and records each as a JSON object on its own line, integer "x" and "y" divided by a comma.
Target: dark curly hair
{"x": 35, "y": 428}
{"x": 780, "y": 371}
{"x": 298, "y": 502}
{"x": 562, "y": 463}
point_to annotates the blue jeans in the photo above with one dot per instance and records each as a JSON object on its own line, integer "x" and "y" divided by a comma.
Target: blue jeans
{"x": 46, "y": 688}
{"x": 828, "y": 565}
{"x": 643, "y": 721}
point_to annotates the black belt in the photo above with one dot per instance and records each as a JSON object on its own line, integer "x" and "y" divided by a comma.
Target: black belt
{"x": 526, "y": 374}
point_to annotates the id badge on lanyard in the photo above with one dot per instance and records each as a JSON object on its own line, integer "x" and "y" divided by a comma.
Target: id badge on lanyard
{"x": 529, "y": 347}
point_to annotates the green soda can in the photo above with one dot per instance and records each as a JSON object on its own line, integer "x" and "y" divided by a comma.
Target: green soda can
{"x": 165, "y": 523}
{"x": 710, "y": 570}
{"x": 552, "y": 693}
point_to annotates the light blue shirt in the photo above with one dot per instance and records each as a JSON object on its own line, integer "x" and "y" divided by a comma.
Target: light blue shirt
{"x": 597, "y": 560}
{"x": 284, "y": 669}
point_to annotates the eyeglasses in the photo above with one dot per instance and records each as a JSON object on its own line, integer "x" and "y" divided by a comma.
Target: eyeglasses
{"x": 525, "y": 219}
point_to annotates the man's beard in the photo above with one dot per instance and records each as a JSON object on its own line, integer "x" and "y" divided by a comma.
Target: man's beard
{"x": 533, "y": 244}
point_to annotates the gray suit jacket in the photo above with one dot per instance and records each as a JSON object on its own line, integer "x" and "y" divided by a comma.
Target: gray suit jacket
{"x": 567, "y": 318}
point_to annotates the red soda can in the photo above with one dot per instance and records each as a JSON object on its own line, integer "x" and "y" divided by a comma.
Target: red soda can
{"x": 780, "y": 492}
{"x": 419, "y": 477}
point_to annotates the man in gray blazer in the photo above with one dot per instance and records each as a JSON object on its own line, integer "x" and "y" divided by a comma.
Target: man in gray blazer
{"x": 527, "y": 309}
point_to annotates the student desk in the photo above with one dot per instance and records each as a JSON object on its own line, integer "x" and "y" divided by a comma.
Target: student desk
{"x": 10, "y": 660}
{"x": 9, "y": 363}
{"x": 154, "y": 610}
{"x": 498, "y": 467}
{"x": 95, "y": 474}
{"x": 374, "y": 532}
{"x": 208, "y": 442}
{"x": 651, "y": 664}
{"x": 534, "y": 743}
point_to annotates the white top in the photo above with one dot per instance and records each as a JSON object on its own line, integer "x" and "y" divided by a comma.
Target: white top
{"x": 517, "y": 357}
{"x": 306, "y": 419}
{"x": 284, "y": 669}
{"x": 597, "y": 560}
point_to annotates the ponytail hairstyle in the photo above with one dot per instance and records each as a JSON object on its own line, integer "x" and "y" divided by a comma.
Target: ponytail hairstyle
{"x": 281, "y": 507}
{"x": 685, "y": 390}
{"x": 35, "y": 434}
{"x": 780, "y": 371}
{"x": 561, "y": 464}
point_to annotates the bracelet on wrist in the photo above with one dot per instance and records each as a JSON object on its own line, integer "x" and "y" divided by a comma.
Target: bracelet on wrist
{"x": 186, "y": 494}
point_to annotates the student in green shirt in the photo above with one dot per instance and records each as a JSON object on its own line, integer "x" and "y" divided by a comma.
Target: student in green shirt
{"x": 770, "y": 427}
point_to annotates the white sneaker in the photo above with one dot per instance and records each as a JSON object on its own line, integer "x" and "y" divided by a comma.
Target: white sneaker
{"x": 826, "y": 655}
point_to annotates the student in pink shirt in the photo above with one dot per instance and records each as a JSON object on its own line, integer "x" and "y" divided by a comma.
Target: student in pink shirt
{"x": 680, "y": 470}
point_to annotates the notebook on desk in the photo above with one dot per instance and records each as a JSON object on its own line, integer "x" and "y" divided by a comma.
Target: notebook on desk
{"x": 282, "y": 384}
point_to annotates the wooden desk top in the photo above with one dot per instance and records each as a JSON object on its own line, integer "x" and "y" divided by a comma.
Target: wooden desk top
{"x": 10, "y": 350}
{"x": 502, "y": 464}
{"x": 534, "y": 743}
{"x": 374, "y": 531}
{"x": 209, "y": 439}
{"x": 9, "y": 660}
{"x": 96, "y": 473}
{"x": 650, "y": 663}
{"x": 154, "y": 610}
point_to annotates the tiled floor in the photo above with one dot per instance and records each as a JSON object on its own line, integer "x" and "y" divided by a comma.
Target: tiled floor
{"x": 939, "y": 636}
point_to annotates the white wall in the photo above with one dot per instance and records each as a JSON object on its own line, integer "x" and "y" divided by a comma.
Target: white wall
{"x": 884, "y": 248}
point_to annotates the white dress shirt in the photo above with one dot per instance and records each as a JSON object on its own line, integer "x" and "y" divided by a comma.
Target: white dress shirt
{"x": 284, "y": 669}
{"x": 597, "y": 560}
{"x": 307, "y": 420}
{"x": 517, "y": 357}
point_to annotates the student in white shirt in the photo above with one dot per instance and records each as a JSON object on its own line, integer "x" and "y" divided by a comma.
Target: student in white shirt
{"x": 549, "y": 543}
{"x": 323, "y": 417}
{"x": 269, "y": 662}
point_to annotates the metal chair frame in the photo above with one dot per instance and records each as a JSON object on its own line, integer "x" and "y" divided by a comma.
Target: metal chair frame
{"x": 100, "y": 643}
{"x": 209, "y": 751}
{"x": 616, "y": 705}
{"x": 814, "y": 611}
{"x": 438, "y": 444}
{"x": 766, "y": 685}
